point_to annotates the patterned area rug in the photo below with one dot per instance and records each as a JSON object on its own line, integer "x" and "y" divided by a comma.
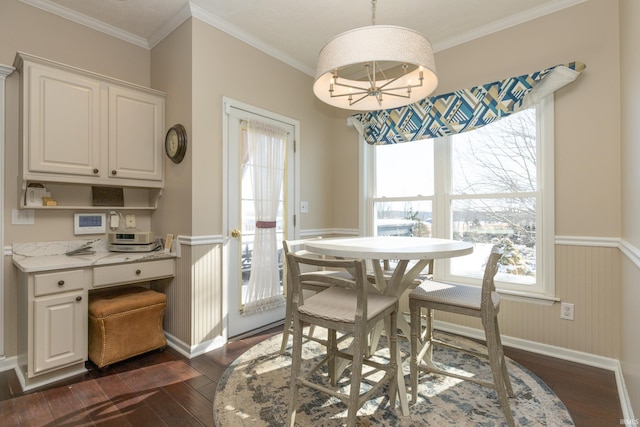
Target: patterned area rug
{"x": 254, "y": 391}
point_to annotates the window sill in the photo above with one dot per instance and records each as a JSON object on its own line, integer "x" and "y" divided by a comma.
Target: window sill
{"x": 509, "y": 294}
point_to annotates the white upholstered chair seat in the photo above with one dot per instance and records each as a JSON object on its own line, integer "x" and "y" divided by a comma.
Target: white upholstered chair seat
{"x": 338, "y": 304}
{"x": 453, "y": 294}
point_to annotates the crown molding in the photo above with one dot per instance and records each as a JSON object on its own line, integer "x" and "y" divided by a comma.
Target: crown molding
{"x": 503, "y": 24}
{"x": 183, "y": 14}
{"x": 5, "y": 70}
{"x": 87, "y": 21}
{"x": 219, "y": 23}
{"x": 192, "y": 10}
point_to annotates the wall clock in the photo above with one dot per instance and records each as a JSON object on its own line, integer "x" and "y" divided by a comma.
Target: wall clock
{"x": 175, "y": 143}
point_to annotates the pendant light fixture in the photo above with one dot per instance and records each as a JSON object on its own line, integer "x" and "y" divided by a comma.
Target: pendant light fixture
{"x": 375, "y": 67}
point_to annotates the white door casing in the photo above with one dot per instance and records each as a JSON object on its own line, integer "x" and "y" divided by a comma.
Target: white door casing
{"x": 234, "y": 113}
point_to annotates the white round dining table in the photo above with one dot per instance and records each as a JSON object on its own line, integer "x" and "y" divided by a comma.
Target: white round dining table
{"x": 390, "y": 247}
{"x": 418, "y": 251}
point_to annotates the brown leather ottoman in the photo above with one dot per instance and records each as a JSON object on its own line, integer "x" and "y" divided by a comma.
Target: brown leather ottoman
{"x": 125, "y": 322}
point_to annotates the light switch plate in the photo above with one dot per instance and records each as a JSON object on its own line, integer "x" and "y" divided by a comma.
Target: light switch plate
{"x": 23, "y": 216}
{"x": 304, "y": 207}
{"x": 130, "y": 220}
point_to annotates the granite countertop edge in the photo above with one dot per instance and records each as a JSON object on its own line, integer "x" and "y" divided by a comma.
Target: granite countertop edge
{"x": 48, "y": 256}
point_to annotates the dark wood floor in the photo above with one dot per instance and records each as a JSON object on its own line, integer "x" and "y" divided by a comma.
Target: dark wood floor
{"x": 164, "y": 388}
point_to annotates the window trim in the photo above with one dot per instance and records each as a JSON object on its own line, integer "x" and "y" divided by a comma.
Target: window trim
{"x": 544, "y": 290}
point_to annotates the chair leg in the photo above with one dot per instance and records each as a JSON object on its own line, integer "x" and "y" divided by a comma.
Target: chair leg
{"x": 295, "y": 370}
{"x": 332, "y": 350}
{"x": 503, "y": 363}
{"x": 285, "y": 331}
{"x": 429, "y": 336}
{"x": 416, "y": 330}
{"x": 375, "y": 338}
{"x": 356, "y": 376}
{"x": 396, "y": 379}
{"x": 494, "y": 350}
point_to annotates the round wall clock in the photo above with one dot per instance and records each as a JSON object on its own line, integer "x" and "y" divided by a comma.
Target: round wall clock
{"x": 175, "y": 143}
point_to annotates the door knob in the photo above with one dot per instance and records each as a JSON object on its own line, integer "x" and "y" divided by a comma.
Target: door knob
{"x": 235, "y": 233}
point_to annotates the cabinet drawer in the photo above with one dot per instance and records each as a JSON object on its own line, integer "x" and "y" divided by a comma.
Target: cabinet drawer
{"x": 132, "y": 272}
{"x": 60, "y": 281}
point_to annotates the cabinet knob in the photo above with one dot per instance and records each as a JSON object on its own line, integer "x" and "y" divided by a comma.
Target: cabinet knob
{"x": 60, "y": 282}
{"x": 78, "y": 299}
{"x": 113, "y": 172}
{"x": 96, "y": 170}
{"x": 138, "y": 272}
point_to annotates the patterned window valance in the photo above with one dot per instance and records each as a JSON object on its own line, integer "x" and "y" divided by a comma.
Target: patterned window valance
{"x": 466, "y": 109}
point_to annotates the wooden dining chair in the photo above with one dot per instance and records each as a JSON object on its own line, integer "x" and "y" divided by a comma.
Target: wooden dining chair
{"x": 482, "y": 302}
{"x": 297, "y": 246}
{"x": 348, "y": 305}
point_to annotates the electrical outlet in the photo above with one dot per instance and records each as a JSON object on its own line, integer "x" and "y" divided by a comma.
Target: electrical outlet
{"x": 130, "y": 220}
{"x": 566, "y": 311}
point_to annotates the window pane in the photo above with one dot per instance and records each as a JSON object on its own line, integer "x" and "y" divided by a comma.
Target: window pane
{"x": 485, "y": 222}
{"x": 410, "y": 218}
{"x": 404, "y": 169}
{"x": 497, "y": 158}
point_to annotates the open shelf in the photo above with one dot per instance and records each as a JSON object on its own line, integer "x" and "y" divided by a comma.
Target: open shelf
{"x": 78, "y": 197}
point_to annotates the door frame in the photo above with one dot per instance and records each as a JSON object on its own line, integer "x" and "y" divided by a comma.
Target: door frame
{"x": 291, "y": 182}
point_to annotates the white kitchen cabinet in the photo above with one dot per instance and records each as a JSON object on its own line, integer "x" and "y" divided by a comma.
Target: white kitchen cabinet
{"x": 61, "y": 122}
{"x": 53, "y": 312}
{"x": 136, "y": 121}
{"x": 53, "y": 309}
{"x": 82, "y": 127}
{"x": 60, "y": 330}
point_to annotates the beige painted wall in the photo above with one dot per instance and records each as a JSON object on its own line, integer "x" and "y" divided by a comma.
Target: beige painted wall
{"x": 630, "y": 141}
{"x": 225, "y": 66}
{"x": 171, "y": 72}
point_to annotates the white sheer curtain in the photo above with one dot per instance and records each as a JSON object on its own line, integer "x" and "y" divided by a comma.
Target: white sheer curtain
{"x": 267, "y": 150}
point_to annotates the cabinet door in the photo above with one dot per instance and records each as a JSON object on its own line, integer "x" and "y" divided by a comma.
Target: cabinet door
{"x": 136, "y": 122}
{"x": 60, "y": 333}
{"x": 63, "y": 122}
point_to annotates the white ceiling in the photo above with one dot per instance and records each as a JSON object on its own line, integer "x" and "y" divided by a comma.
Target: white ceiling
{"x": 295, "y": 30}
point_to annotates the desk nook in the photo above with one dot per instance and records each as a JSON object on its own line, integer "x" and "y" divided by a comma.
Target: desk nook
{"x": 54, "y": 292}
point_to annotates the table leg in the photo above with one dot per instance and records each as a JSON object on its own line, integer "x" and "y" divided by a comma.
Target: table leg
{"x": 402, "y": 387}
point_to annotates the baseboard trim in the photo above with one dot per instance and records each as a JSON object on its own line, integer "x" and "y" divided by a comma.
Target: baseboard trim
{"x": 191, "y": 351}
{"x": 557, "y": 352}
{"x": 8, "y": 363}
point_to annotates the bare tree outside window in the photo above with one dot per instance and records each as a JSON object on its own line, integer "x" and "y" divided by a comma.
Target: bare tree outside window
{"x": 494, "y": 189}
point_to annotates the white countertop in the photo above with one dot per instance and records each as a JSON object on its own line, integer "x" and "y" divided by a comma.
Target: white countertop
{"x": 44, "y": 256}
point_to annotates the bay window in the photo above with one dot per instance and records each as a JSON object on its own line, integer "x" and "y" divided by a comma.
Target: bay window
{"x": 490, "y": 185}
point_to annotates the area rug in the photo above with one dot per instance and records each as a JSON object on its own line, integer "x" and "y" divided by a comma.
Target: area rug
{"x": 254, "y": 391}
